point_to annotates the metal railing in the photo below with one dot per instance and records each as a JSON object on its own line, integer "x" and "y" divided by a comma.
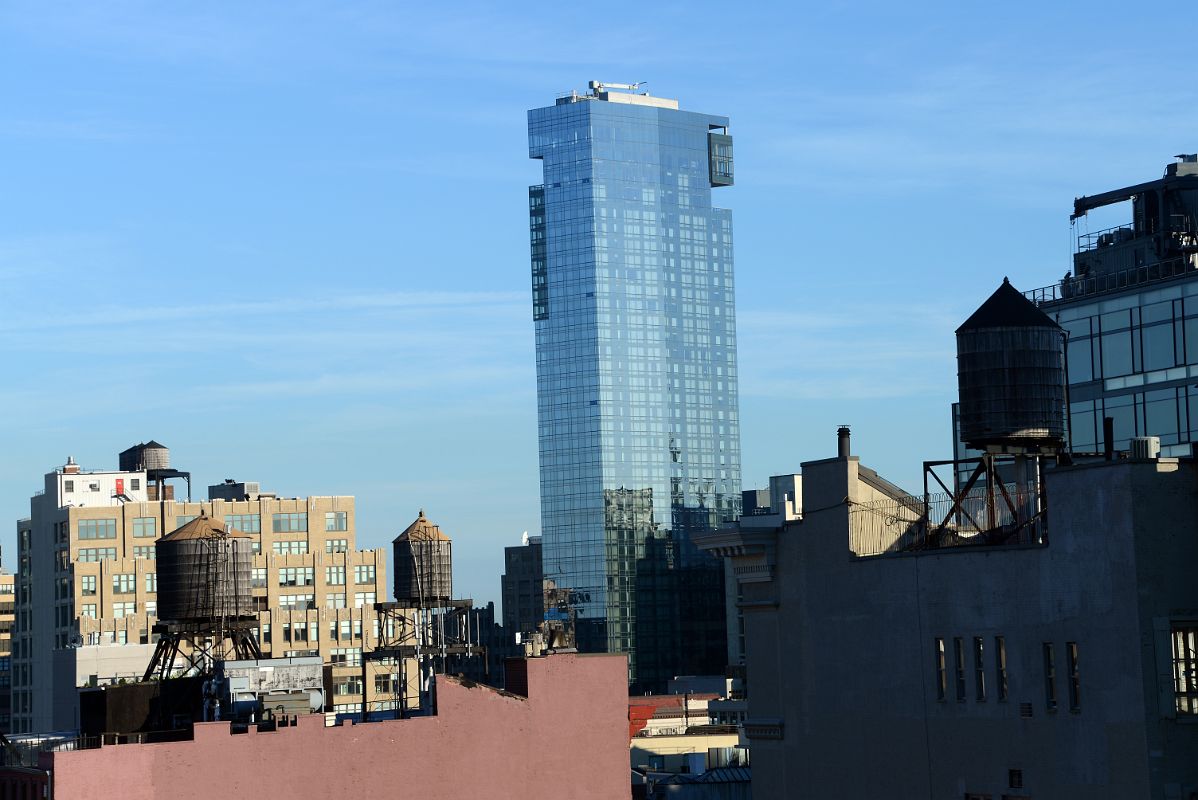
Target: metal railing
{"x": 1105, "y": 237}
{"x": 1070, "y": 287}
{"x": 911, "y": 524}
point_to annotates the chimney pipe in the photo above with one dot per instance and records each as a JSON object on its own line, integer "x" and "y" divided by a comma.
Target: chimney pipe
{"x": 1108, "y": 438}
{"x": 842, "y": 441}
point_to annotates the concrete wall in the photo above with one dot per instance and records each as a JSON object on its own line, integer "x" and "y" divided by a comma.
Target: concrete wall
{"x": 842, "y": 664}
{"x": 568, "y": 738}
{"x": 674, "y": 750}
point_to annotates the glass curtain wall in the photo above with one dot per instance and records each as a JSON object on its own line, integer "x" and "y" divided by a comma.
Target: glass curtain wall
{"x": 636, "y": 375}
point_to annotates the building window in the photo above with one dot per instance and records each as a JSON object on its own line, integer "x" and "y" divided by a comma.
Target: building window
{"x": 125, "y": 583}
{"x": 364, "y": 573}
{"x": 97, "y": 529}
{"x": 296, "y": 576}
{"x": 151, "y": 609}
{"x": 959, "y": 661}
{"x": 124, "y": 609}
{"x": 346, "y": 656}
{"x": 183, "y": 519}
{"x": 334, "y": 600}
{"x": 87, "y": 585}
{"x": 334, "y": 576}
{"x": 387, "y": 683}
{"x": 266, "y": 632}
{"x": 297, "y": 602}
{"x": 364, "y": 599}
{"x": 68, "y": 486}
{"x": 336, "y": 545}
{"x": 246, "y": 523}
{"x": 88, "y": 554}
{"x": 1075, "y": 700}
{"x": 1000, "y": 667}
{"x": 151, "y": 581}
{"x": 258, "y": 578}
{"x": 134, "y": 484}
{"x": 979, "y": 670}
{"x": 1185, "y": 667}
{"x": 941, "y": 671}
{"x": 1050, "y": 677}
{"x": 287, "y": 523}
{"x": 290, "y": 548}
{"x": 145, "y": 551}
{"x": 145, "y": 527}
{"x": 349, "y": 685}
{"x": 93, "y": 486}
{"x": 89, "y": 610}
{"x": 335, "y": 521}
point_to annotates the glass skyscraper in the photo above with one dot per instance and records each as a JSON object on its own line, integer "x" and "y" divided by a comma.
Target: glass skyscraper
{"x": 636, "y": 372}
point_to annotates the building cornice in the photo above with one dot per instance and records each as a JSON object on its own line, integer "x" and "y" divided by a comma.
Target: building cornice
{"x": 752, "y": 551}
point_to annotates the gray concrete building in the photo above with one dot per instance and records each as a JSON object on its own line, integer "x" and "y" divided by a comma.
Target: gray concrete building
{"x": 1059, "y": 667}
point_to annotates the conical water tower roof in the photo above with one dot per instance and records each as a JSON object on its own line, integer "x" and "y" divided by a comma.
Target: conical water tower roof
{"x": 202, "y": 527}
{"x": 422, "y": 530}
{"x": 1007, "y": 308}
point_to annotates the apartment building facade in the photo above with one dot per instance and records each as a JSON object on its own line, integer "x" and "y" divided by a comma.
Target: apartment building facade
{"x": 86, "y": 588}
{"x": 7, "y": 597}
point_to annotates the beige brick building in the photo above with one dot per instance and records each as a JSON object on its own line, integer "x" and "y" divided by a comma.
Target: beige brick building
{"x": 86, "y": 587}
{"x": 7, "y": 587}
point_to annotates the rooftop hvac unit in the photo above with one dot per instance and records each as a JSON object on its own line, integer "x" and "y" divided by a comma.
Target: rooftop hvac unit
{"x": 1146, "y": 447}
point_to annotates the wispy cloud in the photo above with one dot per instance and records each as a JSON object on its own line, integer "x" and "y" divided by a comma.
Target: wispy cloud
{"x": 93, "y": 129}
{"x": 134, "y": 315}
{"x": 869, "y": 351}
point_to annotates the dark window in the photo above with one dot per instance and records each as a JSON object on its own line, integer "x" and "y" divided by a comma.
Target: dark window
{"x": 1000, "y": 667}
{"x": 959, "y": 660}
{"x": 1075, "y": 701}
{"x": 979, "y": 670}
{"x": 1050, "y": 677}
{"x": 941, "y": 671}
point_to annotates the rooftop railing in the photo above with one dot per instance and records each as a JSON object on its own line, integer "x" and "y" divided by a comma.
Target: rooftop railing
{"x": 1070, "y": 287}
{"x": 912, "y": 524}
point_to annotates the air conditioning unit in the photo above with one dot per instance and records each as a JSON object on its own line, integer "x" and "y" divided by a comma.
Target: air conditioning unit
{"x": 1146, "y": 447}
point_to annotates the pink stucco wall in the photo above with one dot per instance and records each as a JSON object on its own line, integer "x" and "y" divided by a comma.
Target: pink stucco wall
{"x": 569, "y": 738}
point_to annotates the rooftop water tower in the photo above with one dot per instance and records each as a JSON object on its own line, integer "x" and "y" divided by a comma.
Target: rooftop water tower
{"x": 423, "y": 557}
{"x": 206, "y": 609}
{"x": 1011, "y": 376}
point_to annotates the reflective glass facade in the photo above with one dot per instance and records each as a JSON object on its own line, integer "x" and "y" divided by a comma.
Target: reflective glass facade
{"x": 1134, "y": 357}
{"x": 636, "y": 374}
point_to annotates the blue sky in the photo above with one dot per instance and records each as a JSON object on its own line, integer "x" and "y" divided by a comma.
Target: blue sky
{"x": 289, "y": 240}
